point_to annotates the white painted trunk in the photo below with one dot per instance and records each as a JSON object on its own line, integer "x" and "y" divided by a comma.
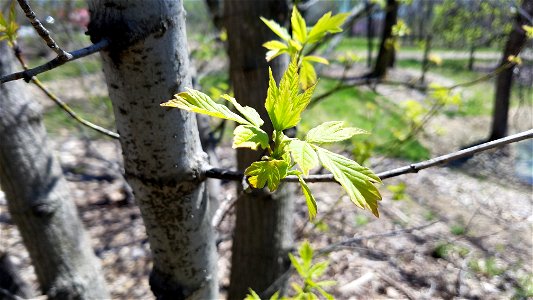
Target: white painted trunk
{"x": 39, "y": 199}
{"x": 146, "y": 64}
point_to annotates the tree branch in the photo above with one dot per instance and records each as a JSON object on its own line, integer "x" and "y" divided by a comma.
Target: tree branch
{"x": 60, "y": 102}
{"x": 412, "y": 168}
{"x": 56, "y": 62}
{"x": 43, "y": 32}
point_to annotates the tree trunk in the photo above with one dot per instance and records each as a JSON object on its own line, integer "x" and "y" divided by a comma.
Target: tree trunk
{"x": 428, "y": 38}
{"x": 146, "y": 65}
{"x": 369, "y": 34}
{"x": 471, "y": 58}
{"x": 263, "y": 232}
{"x": 11, "y": 283}
{"x": 386, "y": 49}
{"x": 504, "y": 80}
{"x": 39, "y": 200}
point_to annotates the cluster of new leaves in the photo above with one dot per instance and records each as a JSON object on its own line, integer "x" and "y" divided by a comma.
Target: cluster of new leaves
{"x": 301, "y": 37}
{"x": 309, "y": 272}
{"x": 439, "y": 96}
{"x": 9, "y": 26}
{"x": 285, "y": 103}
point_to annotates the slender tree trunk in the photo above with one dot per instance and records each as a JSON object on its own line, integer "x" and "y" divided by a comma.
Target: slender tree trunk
{"x": 471, "y": 58}
{"x": 386, "y": 49}
{"x": 504, "y": 80}
{"x": 428, "y": 37}
{"x": 146, "y": 64}
{"x": 369, "y": 34}
{"x": 263, "y": 232}
{"x": 39, "y": 200}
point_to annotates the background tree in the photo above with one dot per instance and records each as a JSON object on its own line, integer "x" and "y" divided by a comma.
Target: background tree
{"x": 146, "y": 64}
{"x": 387, "y": 52}
{"x": 263, "y": 232}
{"x": 488, "y": 22}
{"x": 504, "y": 81}
{"x": 39, "y": 199}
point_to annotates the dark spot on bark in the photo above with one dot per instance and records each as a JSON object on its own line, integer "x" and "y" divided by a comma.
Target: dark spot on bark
{"x": 113, "y": 86}
{"x": 42, "y": 210}
{"x": 122, "y": 111}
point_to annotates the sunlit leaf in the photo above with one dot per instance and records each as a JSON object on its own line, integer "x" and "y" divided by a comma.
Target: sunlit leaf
{"x": 529, "y": 31}
{"x": 299, "y": 28}
{"x": 307, "y": 75}
{"x": 285, "y": 104}
{"x": 277, "y": 29}
{"x": 275, "y": 45}
{"x": 326, "y": 24}
{"x": 318, "y": 269}
{"x": 316, "y": 59}
{"x": 198, "y": 102}
{"x": 267, "y": 172}
{"x": 304, "y": 155}
{"x": 306, "y": 254}
{"x": 356, "y": 180}
{"x": 249, "y": 113}
{"x": 296, "y": 264}
{"x": 248, "y": 136}
{"x": 309, "y": 198}
{"x": 252, "y": 295}
{"x": 330, "y": 132}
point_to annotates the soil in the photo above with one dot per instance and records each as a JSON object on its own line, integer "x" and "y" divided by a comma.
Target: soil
{"x": 457, "y": 232}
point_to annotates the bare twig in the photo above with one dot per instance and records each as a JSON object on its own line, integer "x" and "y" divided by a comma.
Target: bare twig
{"x": 412, "y": 168}
{"x": 348, "y": 242}
{"x": 43, "y": 32}
{"x": 60, "y": 102}
{"x": 56, "y": 62}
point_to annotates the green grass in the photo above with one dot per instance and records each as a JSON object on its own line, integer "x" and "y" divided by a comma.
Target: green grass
{"x": 360, "y": 44}
{"x": 97, "y": 110}
{"x": 73, "y": 69}
{"x": 477, "y": 100}
{"x": 366, "y": 110}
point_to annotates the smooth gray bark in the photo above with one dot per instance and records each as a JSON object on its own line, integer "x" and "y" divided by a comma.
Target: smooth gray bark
{"x": 147, "y": 64}
{"x": 263, "y": 230}
{"x": 39, "y": 200}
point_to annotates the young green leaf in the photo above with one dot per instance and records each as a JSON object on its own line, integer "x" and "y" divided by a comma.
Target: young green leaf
{"x": 356, "y": 180}
{"x": 330, "y": 132}
{"x": 275, "y": 45}
{"x": 198, "y": 102}
{"x": 299, "y": 28}
{"x": 307, "y": 75}
{"x": 252, "y": 295}
{"x": 318, "y": 269}
{"x": 326, "y": 24}
{"x": 249, "y": 113}
{"x": 306, "y": 254}
{"x": 529, "y": 31}
{"x": 296, "y": 264}
{"x": 277, "y": 29}
{"x": 309, "y": 199}
{"x": 317, "y": 59}
{"x": 304, "y": 155}
{"x": 275, "y": 48}
{"x": 267, "y": 172}
{"x": 285, "y": 104}
{"x": 248, "y": 136}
